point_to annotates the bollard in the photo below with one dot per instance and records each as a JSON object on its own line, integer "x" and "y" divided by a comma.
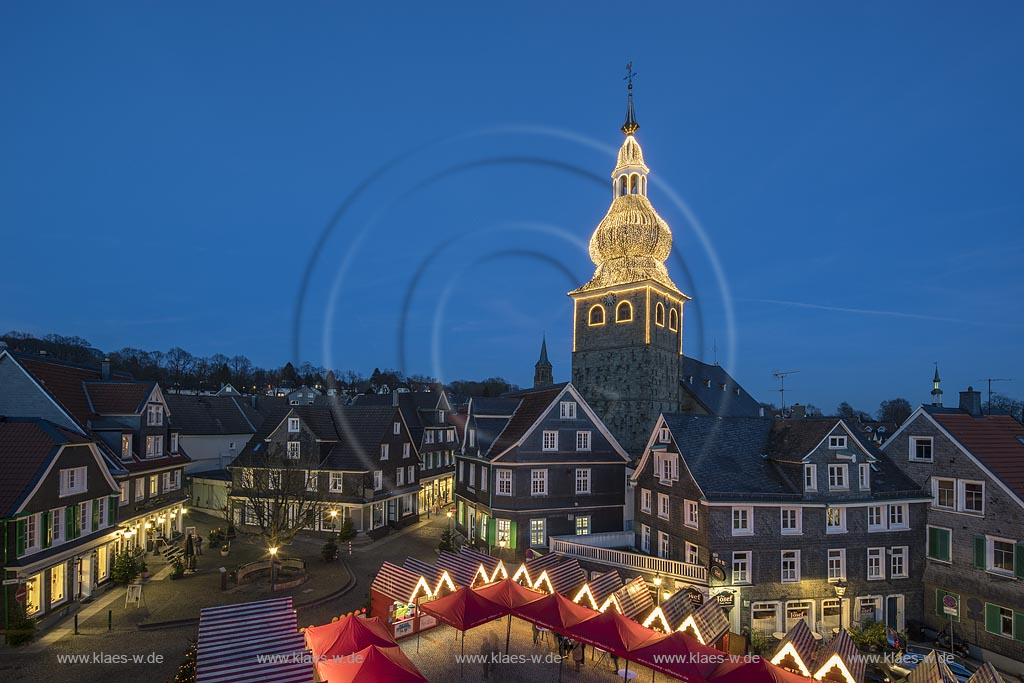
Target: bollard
{"x": 350, "y": 547}
{"x": 110, "y": 619}
{"x": 223, "y": 578}
{"x": 76, "y": 624}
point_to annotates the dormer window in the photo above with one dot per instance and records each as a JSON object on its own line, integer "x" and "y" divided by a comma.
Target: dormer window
{"x": 73, "y": 481}
{"x": 126, "y": 446}
{"x": 174, "y": 442}
{"x": 707, "y": 383}
{"x": 472, "y": 438}
{"x": 835, "y": 442}
{"x": 293, "y": 424}
{"x": 663, "y": 435}
{"x": 864, "y": 476}
{"x": 567, "y": 410}
{"x": 154, "y": 415}
{"x": 154, "y": 446}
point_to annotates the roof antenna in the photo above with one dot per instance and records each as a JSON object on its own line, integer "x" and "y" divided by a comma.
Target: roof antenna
{"x": 714, "y": 348}
{"x": 781, "y": 376}
{"x": 990, "y": 380}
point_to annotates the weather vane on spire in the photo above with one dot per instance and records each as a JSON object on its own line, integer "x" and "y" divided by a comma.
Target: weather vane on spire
{"x": 630, "y": 126}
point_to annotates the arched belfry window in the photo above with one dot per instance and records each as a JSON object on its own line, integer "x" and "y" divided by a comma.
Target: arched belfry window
{"x": 673, "y": 320}
{"x": 659, "y": 315}
{"x": 623, "y": 184}
{"x": 643, "y": 185}
{"x": 596, "y": 315}
{"x": 634, "y": 183}
{"x": 624, "y": 312}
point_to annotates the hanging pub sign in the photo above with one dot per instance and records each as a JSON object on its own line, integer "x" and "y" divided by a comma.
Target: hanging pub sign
{"x": 726, "y": 599}
{"x": 696, "y": 597}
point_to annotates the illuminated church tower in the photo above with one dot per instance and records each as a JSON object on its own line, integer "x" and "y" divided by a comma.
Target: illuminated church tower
{"x": 628, "y": 320}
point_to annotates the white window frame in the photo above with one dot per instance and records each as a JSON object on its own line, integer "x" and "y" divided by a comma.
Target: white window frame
{"x": 567, "y": 410}
{"x": 311, "y": 480}
{"x": 912, "y": 453}
{"x": 538, "y": 533}
{"x": 664, "y": 507}
{"x": 385, "y": 451}
{"x": 691, "y": 516}
{"x": 838, "y": 554}
{"x": 539, "y": 482}
{"x": 503, "y": 478}
{"x": 990, "y": 554}
{"x": 843, "y": 470}
{"x": 293, "y": 425}
{"x": 841, "y": 528}
{"x": 797, "y": 527}
{"x": 746, "y": 513}
{"x": 879, "y": 555}
{"x": 883, "y": 523}
{"x": 294, "y": 450}
{"x": 378, "y": 480}
{"x": 903, "y": 552}
{"x": 810, "y": 477}
{"x": 73, "y": 481}
{"x": 664, "y": 545}
{"x": 154, "y": 446}
{"x": 549, "y": 440}
{"x": 582, "y": 477}
{"x": 336, "y": 482}
{"x": 961, "y": 485}
{"x": 935, "y": 493}
{"x": 583, "y": 441}
{"x": 154, "y": 415}
{"x": 794, "y": 577}
{"x": 483, "y": 478}
{"x": 837, "y": 441}
{"x": 397, "y": 428}
{"x": 126, "y": 446}
{"x": 691, "y": 553}
{"x": 123, "y": 494}
{"x": 400, "y": 476}
{"x": 406, "y": 450}
{"x": 582, "y": 525}
{"x": 1001, "y": 633}
{"x": 664, "y": 436}
{"x": 140, "y": 488}
{"x": 645, "y": 500}
{"x": 741, "y": 576}
{"x": 949, "y": 545}
{"x": 645, "y": 539}
{"x": 864, "y": 477}
{"x": 904, "y": 514}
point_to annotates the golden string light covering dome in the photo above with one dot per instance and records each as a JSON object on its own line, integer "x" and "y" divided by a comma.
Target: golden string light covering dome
{"x": 632, "y": 242}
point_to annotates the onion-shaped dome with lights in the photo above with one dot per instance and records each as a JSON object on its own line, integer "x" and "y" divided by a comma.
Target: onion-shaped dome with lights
{"x": 632, "y": 242}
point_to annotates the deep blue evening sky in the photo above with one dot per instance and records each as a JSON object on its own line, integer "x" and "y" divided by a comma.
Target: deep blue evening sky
{"x": 167, "y": 169}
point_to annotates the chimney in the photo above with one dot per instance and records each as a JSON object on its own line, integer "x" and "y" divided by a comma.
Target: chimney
{"x": 3, "y": 345}
{"x": 970, "y": 401}
{"x": 799, "y": 411}
{"x": 105, "y": 368}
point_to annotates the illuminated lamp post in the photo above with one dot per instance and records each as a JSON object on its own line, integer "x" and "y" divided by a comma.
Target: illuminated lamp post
{"x": 657, "y": 587}
{"x": 273, "y": 557}
{"x": 334, "y": 519}
{"x": 840, "y": 589}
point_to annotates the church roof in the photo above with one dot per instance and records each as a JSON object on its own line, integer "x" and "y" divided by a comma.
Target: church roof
{"x": 716, "y": 391}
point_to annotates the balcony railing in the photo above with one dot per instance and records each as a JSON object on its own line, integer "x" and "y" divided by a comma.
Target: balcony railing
{"x": 600, "y": 553}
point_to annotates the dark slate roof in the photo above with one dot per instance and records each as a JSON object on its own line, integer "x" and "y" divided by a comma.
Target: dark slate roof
{"x": 714, "y": 399}
{"x": 212, "y": 415}
{"x": 995, "y": 440}
{"x": 419, "y": 408}
{"x": 27, "y": 446}
{"x": 350, "y": 435}
{"x": 360, "y": 429}
{"x": 269, "y": 405}
{"x": 63, "y": 381}
{"x": 532, "y": 404}
{"x": 118, "y": 398}
{"x": 716, "y": 449}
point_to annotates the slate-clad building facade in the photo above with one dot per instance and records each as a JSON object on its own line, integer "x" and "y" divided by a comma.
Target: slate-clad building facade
{"x": 783, "y": 512}
{"x": 536, "y": 464}
{"x": 58, "y": 516}
{"x": 972, "y": 467}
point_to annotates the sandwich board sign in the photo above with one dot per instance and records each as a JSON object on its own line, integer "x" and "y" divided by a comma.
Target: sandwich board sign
{"x": 951, "y": 605}
{"x": 134, "y": 594}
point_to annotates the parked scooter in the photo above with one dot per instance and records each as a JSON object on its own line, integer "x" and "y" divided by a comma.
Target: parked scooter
{"x": 959, "y": 648}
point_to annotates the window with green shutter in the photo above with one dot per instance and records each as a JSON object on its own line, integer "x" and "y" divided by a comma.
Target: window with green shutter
{"x": 112, "y": 510}
{"x": 1018, "y": 560}
{"x": 95, "y": 515}
{"x": 1018, "y": 626}
{"x": 979, "y": 552}
{"x": 992, "y": 618}
{"x": 46, "y": 531}
{"x": 938, "y": 544}
{"x": 512, "y": 536}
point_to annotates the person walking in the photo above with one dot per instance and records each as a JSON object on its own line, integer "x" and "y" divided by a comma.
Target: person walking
{"x": 578, "y": 654}
{"x": 199, "y": 544}
{"x": 536, "y": 635}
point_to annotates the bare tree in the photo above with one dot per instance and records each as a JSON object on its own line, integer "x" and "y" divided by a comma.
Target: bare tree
{"x": 894, "y": 410}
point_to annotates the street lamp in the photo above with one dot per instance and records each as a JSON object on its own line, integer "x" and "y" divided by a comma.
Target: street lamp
{"x": 449, "y": 515}
{"x": 657, "y": 587}
{"x": 334, "y": 519}
{"x": 273, "y": 557}
{"x": 840, "y": 589}
{"x": 501, "y": 547}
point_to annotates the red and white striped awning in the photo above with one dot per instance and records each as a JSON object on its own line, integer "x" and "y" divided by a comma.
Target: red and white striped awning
{"x": 252, "y": 641}
{"x": 634, "y": 599}
{"x": 465, "y": 568}
{"x": 401, "y": 584}
{"x": 561, "y": 578}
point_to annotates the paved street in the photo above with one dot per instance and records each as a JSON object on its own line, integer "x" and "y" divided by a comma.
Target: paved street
{"x": 160, "y": 650}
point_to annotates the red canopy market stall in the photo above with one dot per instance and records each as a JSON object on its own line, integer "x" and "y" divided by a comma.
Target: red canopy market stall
{"x": 372, "y": 664}
{"x": 755, "y": 671}
{"x": 347, "y": 635}
{"x": 614, "y": 633}
{"x": 554, "y": 612}
{"x": 395, "y": 595}
{"x": 464, "y": 609}
{"x": 510, "y": 595}
{"x": 680, "y": 656}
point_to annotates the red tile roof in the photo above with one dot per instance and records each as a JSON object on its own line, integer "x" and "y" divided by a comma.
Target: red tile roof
{"x": 995, "y": 440}
{"x": 26, "y": 448}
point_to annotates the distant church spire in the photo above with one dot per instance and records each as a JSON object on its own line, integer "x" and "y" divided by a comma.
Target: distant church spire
{"x": 630, "y": 126}
{"x": 542, "y": 374}
{"x": 936, "y": 390}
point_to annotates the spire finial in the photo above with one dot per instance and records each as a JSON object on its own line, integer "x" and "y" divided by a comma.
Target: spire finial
{"x": 630, "y": 126}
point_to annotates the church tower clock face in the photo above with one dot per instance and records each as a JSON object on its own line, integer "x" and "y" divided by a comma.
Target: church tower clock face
{"x": 628, "y": 319}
